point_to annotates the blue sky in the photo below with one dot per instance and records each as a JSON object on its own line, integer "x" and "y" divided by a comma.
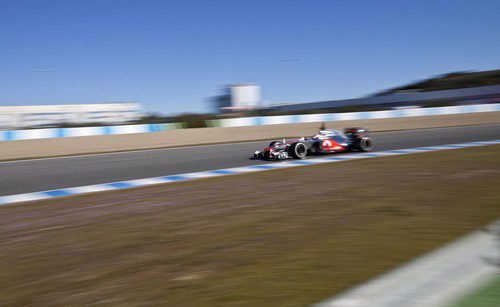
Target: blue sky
{"x": 171, "y": 56}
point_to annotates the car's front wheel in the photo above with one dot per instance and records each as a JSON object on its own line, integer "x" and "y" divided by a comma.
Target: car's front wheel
{"x": 298, "y": 150}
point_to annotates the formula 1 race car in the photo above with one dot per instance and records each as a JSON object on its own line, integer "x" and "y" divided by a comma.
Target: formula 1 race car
{"x": 326, "y": 141}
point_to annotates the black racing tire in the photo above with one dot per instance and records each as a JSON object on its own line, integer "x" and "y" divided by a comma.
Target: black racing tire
{"x": 274, "y": 143}
{"x": 298, "y": 150}
{"x": 365, "y": 144}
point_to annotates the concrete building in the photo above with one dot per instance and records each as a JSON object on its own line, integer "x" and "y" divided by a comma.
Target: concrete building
{"x": 239, "y": 97}
{"x": 12, "y": 117}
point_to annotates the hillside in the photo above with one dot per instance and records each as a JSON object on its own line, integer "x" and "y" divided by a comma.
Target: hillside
{"x": 451, "y": 81}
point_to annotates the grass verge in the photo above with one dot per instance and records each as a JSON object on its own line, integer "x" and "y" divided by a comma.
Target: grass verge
{"x": 287, "y": 237}
{"x": 486, "y": 296}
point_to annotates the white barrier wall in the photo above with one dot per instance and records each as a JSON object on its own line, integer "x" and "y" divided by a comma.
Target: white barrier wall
{"x": 12, "y": 135}
{"x": 244, "y": 121}
{"x": 310, "y": 118}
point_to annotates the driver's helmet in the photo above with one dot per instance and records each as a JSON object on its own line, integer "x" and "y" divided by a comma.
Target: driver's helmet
{"x": 321, "y": 136}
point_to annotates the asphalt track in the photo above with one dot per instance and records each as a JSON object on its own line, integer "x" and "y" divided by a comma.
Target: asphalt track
{"x": 54, "y": 173}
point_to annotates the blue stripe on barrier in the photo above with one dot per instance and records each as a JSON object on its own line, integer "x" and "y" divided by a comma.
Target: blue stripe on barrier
{"x": 222, "y": 172}
{"x": 9, "y": 135}
{"x": 468, "y": 109}
{"x": 303, "y": 162}
{"x": 328, "y": 117}
{"x": 399, "y": 151}
{"x": 119, "y": 185}
{"x": 107, "y": 130}
{"x": 370, "y": 154}
{"x": 154, "y": 127}
{"x": 452, "y": 146}
{"x": 57, "y": 193}
{"x": 365, "y": 115}
{"x": 173, "y": 178}
{"x": 264, "y": 166}
{"x": 399, "y": 113}
{"x": 426, "y": 148}
{"x": 337, "y": 158}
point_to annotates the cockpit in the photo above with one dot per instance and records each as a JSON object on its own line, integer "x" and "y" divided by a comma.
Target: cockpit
{"x": 327, "y": 134}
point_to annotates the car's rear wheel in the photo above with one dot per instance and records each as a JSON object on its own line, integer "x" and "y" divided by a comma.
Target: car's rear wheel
{"x": 298, "y": 150}
{"x": 365, "y": 144}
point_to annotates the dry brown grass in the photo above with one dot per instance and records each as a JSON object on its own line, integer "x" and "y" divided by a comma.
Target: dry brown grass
{"x": 281, "y": 238}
